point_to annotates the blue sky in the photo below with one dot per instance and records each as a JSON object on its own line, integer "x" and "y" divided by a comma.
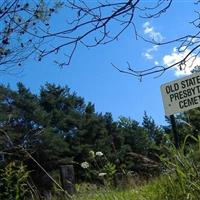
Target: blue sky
{"x": 91, "y": 75}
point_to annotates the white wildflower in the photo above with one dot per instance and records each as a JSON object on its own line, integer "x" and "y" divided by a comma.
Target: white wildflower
{"x": 102, "y": 174}
{"x": 92, "y": 154}
{"x": 85, "y": 165}
{"x": 99, "y": 153}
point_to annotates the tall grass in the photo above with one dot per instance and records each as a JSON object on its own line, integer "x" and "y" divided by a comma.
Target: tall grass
{"x": 148, "y": 192}
{"x": 180, "y": 181}
{"x": 183, "y": 172}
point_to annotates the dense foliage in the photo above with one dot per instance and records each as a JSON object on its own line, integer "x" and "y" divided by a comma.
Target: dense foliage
{"x": 58, "y": 127}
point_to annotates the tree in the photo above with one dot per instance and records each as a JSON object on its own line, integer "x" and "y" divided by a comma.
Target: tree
{"x": 27, "y": 127}
{"x": 155, "y": 133}
{"x": 134, "y": 135}
{"x": 22, "y": 23}
{"x": 27, "y": 30}
{"x": 188, "y": 124}
{"x": 58, "y": 127}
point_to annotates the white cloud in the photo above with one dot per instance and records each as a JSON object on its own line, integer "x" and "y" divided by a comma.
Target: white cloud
{"x": 148, "y": 54}
{"x": 176, "y": 56}
{"x": 150, "y": 31}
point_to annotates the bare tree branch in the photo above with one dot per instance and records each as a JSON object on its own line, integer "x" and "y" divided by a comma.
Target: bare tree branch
{"x": 27, "y": 31}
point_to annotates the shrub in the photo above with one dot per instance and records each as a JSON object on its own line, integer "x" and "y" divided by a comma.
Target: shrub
{"x": 14, "y": 182}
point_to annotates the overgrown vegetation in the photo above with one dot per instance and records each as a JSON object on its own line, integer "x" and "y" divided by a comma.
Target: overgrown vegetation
{"x": 57, "y": 127}
{"x": 14, "y": 182}
{"x": 39, "y": 133}
{"x": 180, "y": 180}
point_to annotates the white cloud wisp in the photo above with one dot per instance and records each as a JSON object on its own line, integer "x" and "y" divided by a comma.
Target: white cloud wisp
{"x": 150, "y": 31}
{"x": 155, "y": 36}
{"x": 148, "y": 54}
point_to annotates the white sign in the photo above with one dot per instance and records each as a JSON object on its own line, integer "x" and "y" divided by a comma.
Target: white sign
{"x": 182, "y": 94}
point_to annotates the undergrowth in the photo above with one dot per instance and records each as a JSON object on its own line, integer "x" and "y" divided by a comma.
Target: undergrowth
{"x": 179, "y": 181}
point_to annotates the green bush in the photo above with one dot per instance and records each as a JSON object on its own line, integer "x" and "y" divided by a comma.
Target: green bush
{"x": 13, "y": 182}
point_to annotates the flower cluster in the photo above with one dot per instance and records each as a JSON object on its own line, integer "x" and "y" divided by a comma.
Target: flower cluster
{"x": 85, "y": 165}
{"x": 99, "y": 153}
{"x": 92, "y": 154}
{"x": 102, "y": 174}
{"x": 99, "y": 167}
